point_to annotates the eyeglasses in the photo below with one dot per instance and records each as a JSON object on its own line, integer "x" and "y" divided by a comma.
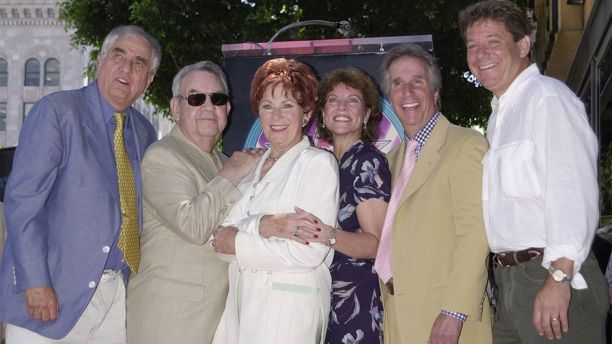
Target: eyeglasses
{"x": 197, "y": 99}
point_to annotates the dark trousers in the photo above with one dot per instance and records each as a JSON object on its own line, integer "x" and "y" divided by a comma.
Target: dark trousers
{"x": 517, "y": 289}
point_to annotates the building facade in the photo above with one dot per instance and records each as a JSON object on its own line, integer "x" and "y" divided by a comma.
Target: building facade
{"x": 37, "y": 58}
{"x": 574, "y": 44}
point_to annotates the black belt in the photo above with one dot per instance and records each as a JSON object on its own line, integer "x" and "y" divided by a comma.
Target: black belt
{"x": 513, "y": 258}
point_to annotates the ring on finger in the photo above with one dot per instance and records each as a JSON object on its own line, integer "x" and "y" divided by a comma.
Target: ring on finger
{"x": 554, "y": 319}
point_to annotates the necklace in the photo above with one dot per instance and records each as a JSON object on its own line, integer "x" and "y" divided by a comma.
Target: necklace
{"x": 271, "y": 158}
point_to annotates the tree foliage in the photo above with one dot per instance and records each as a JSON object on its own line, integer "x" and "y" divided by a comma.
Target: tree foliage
{"x": 193, "y": 30}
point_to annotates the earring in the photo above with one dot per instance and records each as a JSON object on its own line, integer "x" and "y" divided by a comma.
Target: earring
{"x": 365, "y": 126}
{"x": 305, "y": 122}
{"x": 323, "y": 125}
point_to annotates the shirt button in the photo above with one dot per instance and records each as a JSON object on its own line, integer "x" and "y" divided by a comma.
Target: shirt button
{"x": 92, "y": 284}
{"x": 105, "y": 249}
{"x": 252, "y": 198}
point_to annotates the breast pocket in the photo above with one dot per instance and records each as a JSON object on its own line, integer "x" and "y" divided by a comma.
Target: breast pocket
{"x": 518, "y": 171}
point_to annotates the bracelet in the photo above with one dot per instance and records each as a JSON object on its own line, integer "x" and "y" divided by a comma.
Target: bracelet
{"x": 331, "y": 242}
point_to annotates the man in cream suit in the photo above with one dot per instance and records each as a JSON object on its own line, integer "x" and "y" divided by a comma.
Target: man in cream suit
{"x": 179, "y": 292}
{"x": 434, "y": 291}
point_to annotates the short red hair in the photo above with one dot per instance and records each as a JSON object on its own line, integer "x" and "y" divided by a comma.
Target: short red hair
{"x": 295, "y": 76}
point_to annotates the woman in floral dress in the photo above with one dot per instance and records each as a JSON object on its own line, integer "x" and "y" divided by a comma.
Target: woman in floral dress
{"x": 348, "y": 118}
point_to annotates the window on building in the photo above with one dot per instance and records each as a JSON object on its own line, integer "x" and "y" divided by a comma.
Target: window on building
{"x": 52, "y": 72}
{"x": 26, "y": 13}
{"x": 39, "y": 13}
{"x": 32, "y": 73}
{"x": 3, "y": 13}
{"x": 2, "y": 116}
{"x": 50, "y": 13}
{"x": 15, "y": 13}
{"x": 26, "y": 109}
{"x": 3, "y": 73}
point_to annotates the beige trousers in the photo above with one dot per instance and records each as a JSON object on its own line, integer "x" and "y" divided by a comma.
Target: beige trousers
{"x": 102, "y": 322}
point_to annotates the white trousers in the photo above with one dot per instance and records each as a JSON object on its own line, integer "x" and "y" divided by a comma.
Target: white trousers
{"x": 102, "y": 322}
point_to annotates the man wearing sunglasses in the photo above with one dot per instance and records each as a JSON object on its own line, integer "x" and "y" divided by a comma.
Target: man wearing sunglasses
{"x": 189, "y": 186}
{"x": 73, "y": 198}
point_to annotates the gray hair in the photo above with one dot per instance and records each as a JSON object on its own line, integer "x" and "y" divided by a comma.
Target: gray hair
{"x": 207, "y": 66}
{"x": 416, "y": 51}
{"x": 133, "y": 31}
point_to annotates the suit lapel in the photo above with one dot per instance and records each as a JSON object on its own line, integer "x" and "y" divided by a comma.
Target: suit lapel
{"x": 203, "y": 162}
{"x": 428, "y": 158}
{"x": 97, "y": 138}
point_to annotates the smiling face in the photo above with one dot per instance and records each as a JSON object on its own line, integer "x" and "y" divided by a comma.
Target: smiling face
{"x": 281, "y": 118}
{"x": 202, "y": 124}
{"x": 493, "y": 56}
{"x": 124, "y": 73}
{"x": 344, "y": 112}
{"x": 411, "y": 94}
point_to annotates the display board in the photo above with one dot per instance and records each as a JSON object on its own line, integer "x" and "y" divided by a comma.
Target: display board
{"x": 242, "y": 60}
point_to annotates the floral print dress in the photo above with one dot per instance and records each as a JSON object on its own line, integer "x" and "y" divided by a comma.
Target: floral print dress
{"x": 356, "y": 307}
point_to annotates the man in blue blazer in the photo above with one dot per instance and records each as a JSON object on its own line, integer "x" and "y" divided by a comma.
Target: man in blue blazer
{"x": 61, "y": 272}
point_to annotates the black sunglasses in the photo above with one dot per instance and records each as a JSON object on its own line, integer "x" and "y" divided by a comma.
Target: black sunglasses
{"x": 197, "y": 99}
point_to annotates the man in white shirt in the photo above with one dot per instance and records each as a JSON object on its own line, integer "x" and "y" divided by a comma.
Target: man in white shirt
{"x": 540, "y": 192}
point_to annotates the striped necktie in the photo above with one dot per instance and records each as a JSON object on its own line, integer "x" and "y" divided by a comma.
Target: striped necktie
{"x": 129, "y": 241}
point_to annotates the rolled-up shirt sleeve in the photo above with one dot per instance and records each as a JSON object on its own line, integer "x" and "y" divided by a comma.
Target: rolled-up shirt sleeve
{"x": 568, "y": 147}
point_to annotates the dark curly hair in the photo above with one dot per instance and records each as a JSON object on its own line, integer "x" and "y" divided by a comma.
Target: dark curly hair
{"x": 502, "y": 11}
{"x": 359, "y": 80}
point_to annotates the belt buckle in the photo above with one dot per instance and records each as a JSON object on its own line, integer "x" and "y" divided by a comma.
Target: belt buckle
{"x": 390, "y": 288}
{"x": 497, "y": 259}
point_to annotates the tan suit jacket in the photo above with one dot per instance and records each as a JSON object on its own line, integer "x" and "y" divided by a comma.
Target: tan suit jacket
{"x": 439, "y": 241}
{"x": 179, "y": 292}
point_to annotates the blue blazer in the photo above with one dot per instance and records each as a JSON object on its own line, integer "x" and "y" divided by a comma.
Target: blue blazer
{"x": 62, "y": 205}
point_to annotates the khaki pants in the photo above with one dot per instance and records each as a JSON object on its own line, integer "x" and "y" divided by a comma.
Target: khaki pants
{"x": 102, "y": 322}
{"x": 517, "y": 289}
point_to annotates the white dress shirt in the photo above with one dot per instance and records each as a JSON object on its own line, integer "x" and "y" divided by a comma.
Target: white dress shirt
{"x": 540, "y": 175}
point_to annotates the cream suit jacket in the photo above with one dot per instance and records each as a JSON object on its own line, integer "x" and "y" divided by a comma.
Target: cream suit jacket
{"x": 179, "y": 292}
{"x": 439, "y": 245}
{"x": 280, "y": 289}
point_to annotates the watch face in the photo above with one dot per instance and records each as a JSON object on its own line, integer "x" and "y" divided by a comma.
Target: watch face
{"x": 558, "y": 275}
{"x": 332, "y": 241}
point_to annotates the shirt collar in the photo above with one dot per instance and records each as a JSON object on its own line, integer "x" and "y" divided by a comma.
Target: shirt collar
{"x": 108, "y": 112}
{"x": 423, "y": 134}
{"x": 518, "y": 82}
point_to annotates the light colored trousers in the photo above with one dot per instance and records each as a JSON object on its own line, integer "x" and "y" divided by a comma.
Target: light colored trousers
{"x": 102, "y": 322}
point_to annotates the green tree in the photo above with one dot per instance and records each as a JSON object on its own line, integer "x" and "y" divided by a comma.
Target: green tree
{"x": 192, "y": 30}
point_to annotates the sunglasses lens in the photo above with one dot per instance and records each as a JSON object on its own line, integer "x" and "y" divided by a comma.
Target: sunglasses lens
{"x": 196, "y": 99}
{"x": 218, "y": 99}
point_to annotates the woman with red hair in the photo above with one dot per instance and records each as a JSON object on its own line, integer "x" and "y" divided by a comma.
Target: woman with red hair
{"x": 280, "y": 288}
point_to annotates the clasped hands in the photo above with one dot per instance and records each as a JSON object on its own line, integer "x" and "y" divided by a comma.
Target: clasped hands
{"x": 301, "y": 226}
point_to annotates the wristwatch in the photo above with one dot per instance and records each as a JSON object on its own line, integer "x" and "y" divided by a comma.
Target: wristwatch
{"x": 558, "y": 275}
{"x": 331, "y": 242}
